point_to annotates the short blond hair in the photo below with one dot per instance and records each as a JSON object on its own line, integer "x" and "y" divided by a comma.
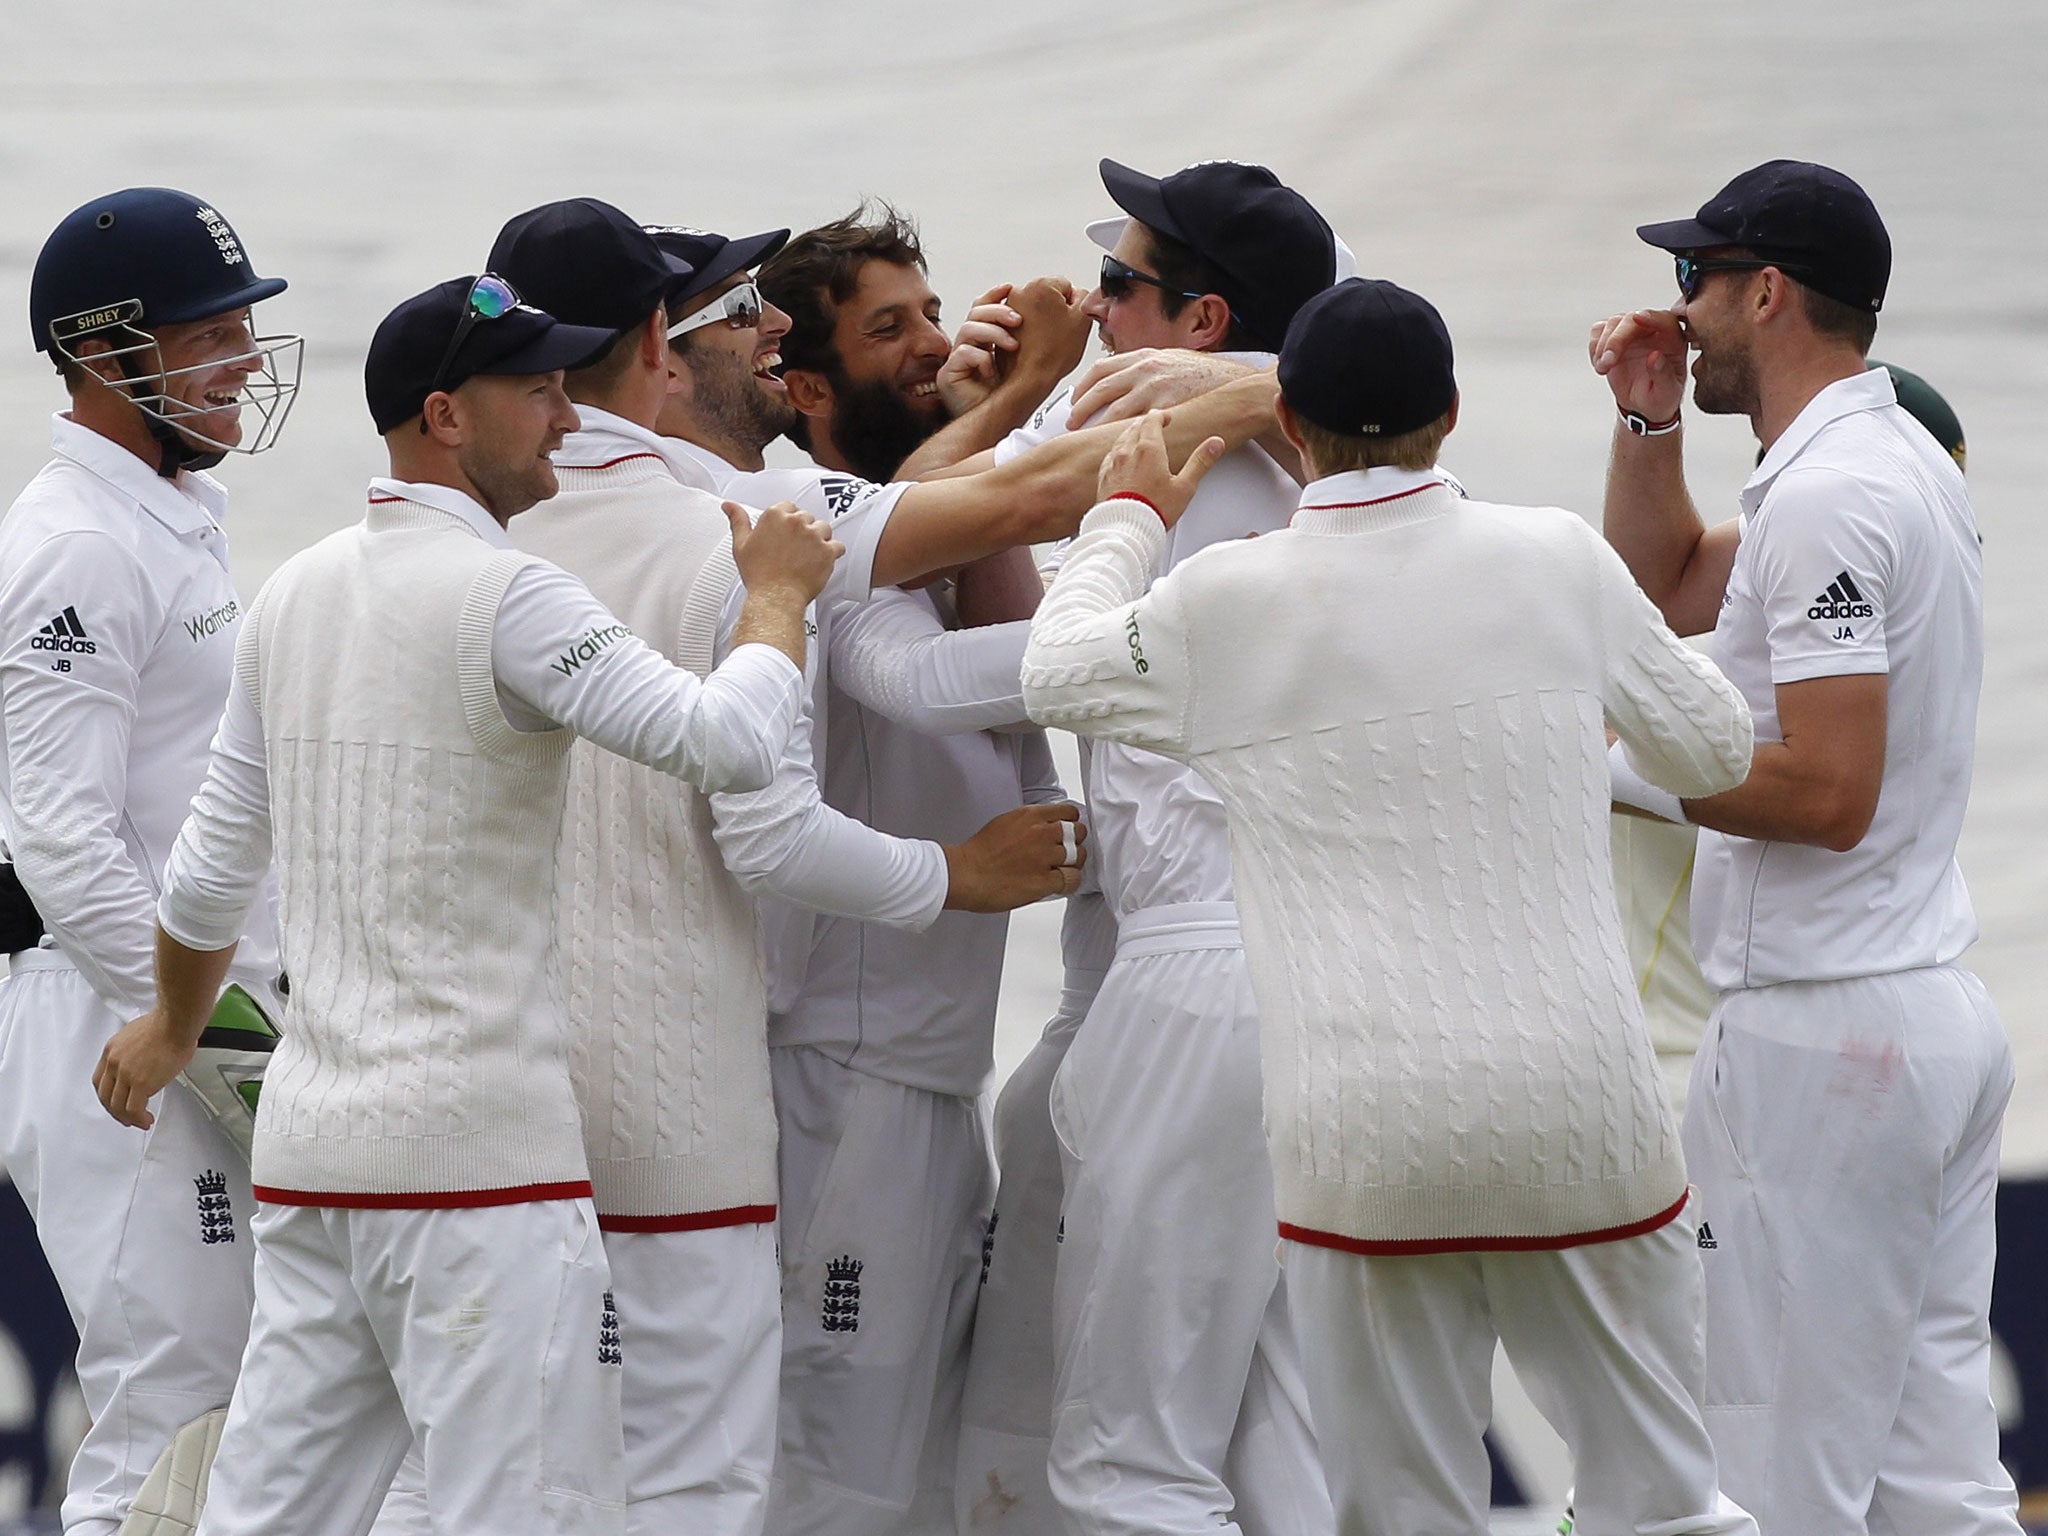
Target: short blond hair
{"x": 1332, "y": 453}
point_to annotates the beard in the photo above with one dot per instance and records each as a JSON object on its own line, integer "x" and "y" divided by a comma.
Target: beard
{"x": 507, "y": 486}
{"x": 728, "y": 398}
{"x": 1724, "y": 380}
{"x": 874, "y": 428}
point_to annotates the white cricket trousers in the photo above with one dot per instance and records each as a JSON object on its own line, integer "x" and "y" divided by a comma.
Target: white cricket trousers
{"x": 1401, "y": 1365}
{"x": 1006, "y": 1410}
{"x": 147, "y": 1233}
{"x": 885, "y": 1198}
{"x": 700, "y": 1326}
{"x": 1179, "y": 1405}
{"x": 485, "y": 1331}
{"x": 1844, "y": 1138}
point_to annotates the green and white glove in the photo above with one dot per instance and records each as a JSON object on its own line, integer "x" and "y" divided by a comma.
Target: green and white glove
{"x": 227, "y": 1069}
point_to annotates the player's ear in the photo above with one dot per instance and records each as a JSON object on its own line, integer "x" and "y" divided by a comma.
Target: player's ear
{"x": 809, "y": 391}
{"x": 1212, "y": 322}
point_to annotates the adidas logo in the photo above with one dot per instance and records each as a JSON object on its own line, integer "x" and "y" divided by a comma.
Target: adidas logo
{"x": 63, "y": 633}
{"x": 1840, "y": 601}
{"x": 1707, "y": 1239}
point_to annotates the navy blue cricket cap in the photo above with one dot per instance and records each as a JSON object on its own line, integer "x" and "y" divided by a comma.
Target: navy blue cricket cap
{"x": 1816, "y": 223}
{"x": 406, "y": 351}
{"x": 149, "y": 256}
{"x": 587, "y": 263}
{"x": 715, "y": 257}
{"x": 1368, "y": 359}
{"x": 1274, "y": 250}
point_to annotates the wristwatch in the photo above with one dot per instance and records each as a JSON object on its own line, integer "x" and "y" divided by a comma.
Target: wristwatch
{"x": 1642, "y": 426}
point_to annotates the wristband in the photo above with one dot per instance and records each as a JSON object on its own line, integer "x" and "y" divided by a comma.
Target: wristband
{"x": 1141, "y": 500}
{"x": 1642, "y": 426}
{"x": 1627, "y": 787}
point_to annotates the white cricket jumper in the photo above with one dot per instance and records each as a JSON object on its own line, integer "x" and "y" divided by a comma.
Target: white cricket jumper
{"x": 1417, "y": 786}
{"x": 375, "y": 732}
{"x": 661, "y": 949}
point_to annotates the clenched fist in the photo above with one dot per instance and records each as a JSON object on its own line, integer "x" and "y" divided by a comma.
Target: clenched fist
{"x": 1020, "y": 857}
{"x": 783, "y": 549}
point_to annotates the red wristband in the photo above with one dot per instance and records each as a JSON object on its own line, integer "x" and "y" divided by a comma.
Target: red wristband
{"x": 1142, "y": 500}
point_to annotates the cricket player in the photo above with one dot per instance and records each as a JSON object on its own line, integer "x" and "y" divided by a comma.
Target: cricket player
{"x": 118, "y": 626}
{"x": 1844, "y": 1116}
{"x": 406, "y": 693}
{"x": 1469, "y": 1141}
{"x": 666, "y": 988}
{"x": 1179, "y": 1405}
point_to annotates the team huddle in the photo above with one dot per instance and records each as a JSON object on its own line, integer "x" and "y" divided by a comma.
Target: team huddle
{"x": 499, "y": 1026}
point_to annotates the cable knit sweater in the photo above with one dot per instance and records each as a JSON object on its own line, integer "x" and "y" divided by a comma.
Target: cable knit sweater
{"x": 661, "y": 948}
{"x": 1400, "y": 700}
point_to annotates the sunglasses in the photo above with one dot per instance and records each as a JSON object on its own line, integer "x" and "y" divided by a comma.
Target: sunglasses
{"x": 1117, "y": 279}
{"x": 738, "y": 307}
{"x": 490, "y": 298}
{"x": 1693, "y": 270}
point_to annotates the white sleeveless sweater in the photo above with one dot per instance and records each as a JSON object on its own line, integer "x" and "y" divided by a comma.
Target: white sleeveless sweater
{"x": 661, "y": 947}
{"x": 427, "y": 1062}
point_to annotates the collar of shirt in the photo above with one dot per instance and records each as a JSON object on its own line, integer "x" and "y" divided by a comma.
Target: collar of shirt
{"x": 1867, "y": 391}
{"x": 190, "y": 504}
{"x": 706, "y": 470}
{"x": 1359, "y": 500}
{"x": 445, "y": 498}
{"x": 604, "y": 440}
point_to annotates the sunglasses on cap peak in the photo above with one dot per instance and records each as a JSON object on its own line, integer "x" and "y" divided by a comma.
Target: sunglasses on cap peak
{"x": 739, "y": 307}
{"x": 1693, "y": 270}
{"x": 490, "y": 298}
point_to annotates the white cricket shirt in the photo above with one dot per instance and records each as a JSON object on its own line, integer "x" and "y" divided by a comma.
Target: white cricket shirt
{"x": 1859, "y": 554}
{"x": 117, "y": 647}
{"x": 1157, "y": 833}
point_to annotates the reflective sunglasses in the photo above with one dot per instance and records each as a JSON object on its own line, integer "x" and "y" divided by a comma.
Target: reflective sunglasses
{"x": 1692, "y": 270}
{"x": 490, "y": 298}
{"x": 738, "y": 307}
{"x": 1117, "y": 279}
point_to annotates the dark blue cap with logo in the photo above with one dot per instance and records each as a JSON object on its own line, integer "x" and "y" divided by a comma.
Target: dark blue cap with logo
{"x": 146, "y": 256}
{"x": 1274, "y": 250}
{"x": 715, "y": 257}
{"x": 405, "y": 361}
{"x": 1816, "y": 223}
{"x": 1368, "y": 359}
{"x": 587, "y": 263}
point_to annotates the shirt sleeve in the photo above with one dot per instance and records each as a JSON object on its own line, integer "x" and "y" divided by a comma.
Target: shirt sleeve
{"x": 1823, "y": 562}
{"x": 895, "y": 655}
{"x": 1104, "y": 660}
{"x": 1685, "y": 727}
{"x": 1036, "y": 772}
{"x": 222, "y": 853}
{"x": 561, "y": 653}
{"x": 1047, "y": 422}
{"x": 858, "y": 510}
{"x": 784, "y": 841}
{"x": 76, "y": 622}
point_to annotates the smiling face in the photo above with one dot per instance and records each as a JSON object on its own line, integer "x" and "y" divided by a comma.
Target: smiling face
{"x": 206, "y": 363}
{"x": 733, "y": 394}
{"x": 887, "y": 334}
{"x": 1724, "y": 367}
{"x": 511, "y": 424}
